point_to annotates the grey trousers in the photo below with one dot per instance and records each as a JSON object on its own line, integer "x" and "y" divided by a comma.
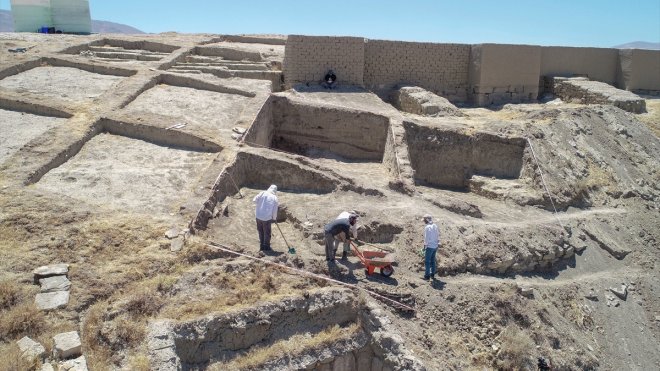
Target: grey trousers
{"x": 347, "y": 246}
{"x": 263, "y": 227}
{"x": 330, "y": 247}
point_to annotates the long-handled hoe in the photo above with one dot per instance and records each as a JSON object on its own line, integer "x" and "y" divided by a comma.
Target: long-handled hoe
{"x": 291, "y": 249}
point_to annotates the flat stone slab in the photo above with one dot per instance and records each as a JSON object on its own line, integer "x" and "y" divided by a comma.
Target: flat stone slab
{"x": 78, "y": 364}
{"x": 30, "y": 349}
{"x": 67, "y": 344}
{"x": 52, "y": 300}
{"x": 55, "y": 283}
{"x": 50, "y": 270}
{"x": 596, "y": 92}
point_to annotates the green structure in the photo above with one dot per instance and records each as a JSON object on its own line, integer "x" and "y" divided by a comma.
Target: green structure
{"x": 67, "y": 16}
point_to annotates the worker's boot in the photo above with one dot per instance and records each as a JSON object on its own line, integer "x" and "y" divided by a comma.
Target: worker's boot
{"x": 344, "y": 256}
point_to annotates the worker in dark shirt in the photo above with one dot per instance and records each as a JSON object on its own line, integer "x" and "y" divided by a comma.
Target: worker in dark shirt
{"x": 329, "y": 80}
{"x": 337, "y": 229}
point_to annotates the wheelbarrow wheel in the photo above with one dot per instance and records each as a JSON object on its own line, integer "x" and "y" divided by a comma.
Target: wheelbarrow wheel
{"x": 387, "y": 271}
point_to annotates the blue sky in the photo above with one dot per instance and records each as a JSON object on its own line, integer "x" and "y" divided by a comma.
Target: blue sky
{"x": 599, "y": 23}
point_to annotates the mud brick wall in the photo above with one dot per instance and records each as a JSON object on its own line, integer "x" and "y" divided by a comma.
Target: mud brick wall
{"x": 440, "y": 68}
{"x": 308, "y": 58}
{"x": 639, "y": 70}
{"x": 501, "y": 73}
{"x": 599, "y": 64}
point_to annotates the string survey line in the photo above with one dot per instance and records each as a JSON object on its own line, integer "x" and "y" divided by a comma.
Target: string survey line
{"x": 226, "y": 249}
{"x": 543, "y": 182}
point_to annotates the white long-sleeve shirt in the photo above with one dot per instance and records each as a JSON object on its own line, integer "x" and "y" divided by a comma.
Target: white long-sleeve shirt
{"x": 266, "y": 205}
{"x": 431, "y": 236}
{"x": 345, "y": 215}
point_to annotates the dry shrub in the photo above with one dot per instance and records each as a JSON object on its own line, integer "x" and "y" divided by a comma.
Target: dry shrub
{"x": 290, "y": 347}
{"x": 21, "y": 320}
{"x": 144, "y": 303}
{"x": 139, "y": 362}
{"x": 10, "y": 294}
{"x": 198, "y": 252}
{"x": 515, "y": 351}
{"x": 11, "y": 358}
{"x": 126, "y": 332}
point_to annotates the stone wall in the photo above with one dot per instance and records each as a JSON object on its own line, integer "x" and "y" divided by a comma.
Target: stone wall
{"x": 599, "y": 64}
{"x": 308, "y": 58}
{"x": 639, "y": 70}
{"x": 440, "y": 68}
{"x": 501, "y": 73}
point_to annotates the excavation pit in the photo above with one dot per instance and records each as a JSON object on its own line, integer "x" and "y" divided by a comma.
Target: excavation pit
{"x": 123, "y": 50}
{"x": 319, "y": 131}
{"x": 66, "y": 84}
{"x": 201, "y": 110}
{"x": 19, "y": 128}
{"x": 121, "y": 172}
{"x": 448, "y": 159}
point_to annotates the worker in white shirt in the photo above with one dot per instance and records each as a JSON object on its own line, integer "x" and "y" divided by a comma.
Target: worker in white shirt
{"x": 353, "y": 230}
{"x": 266, "y": 213}
{"x": 431, "y": 243}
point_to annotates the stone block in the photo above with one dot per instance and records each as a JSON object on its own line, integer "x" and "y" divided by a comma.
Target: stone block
{"x": 344, "y": 363}
{"x": 51, "y": 300}
{"x": 31, "y": 349}
{"x": 50, "y": 270}
{"x": 55, "y": 283}
{"x": 78, "y": 364}
{"x": 67, "y": 345}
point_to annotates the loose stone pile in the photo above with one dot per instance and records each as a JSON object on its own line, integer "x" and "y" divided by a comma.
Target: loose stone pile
{"x": 584, "y": 91}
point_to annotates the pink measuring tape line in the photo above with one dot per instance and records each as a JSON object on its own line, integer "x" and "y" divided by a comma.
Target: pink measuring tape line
{"x": 318, "y": 276}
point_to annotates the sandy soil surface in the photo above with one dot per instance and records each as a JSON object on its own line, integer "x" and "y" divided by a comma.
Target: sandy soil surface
{"x": 19, "y": 128}
{"x": 198, "y": 108}
{"x": 61, "y": 83}
{"x": 128, "y": 174}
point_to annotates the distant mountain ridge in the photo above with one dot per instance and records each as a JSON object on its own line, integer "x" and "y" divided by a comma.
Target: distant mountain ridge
{"x": 639, "y": 45}
{"x": 7, "y": 25}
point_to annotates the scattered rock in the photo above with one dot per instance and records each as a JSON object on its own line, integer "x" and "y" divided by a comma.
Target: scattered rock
{"x": 51, "y": 300}
{"x": 30, "y": 349}
{"x": 47, "y": 367}
{"x": 592, "y": 295}
{"x": 172, "y": 233}
{"x": 621, "y": 293}
{"x": 236, "y": 136}
{"x": 67, "y": 345}
{"x": 78, "y": 364}
{"x": 238, "y": 130}
{"x": 50, "y": 270}
{"x": 612, "y": 301}
{"x": 177, "y": 244}
{"x": 55, "y": 283}
{"x": 527, "y": 292}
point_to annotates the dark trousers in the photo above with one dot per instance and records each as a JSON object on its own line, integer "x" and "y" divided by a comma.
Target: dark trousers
{"x": 264, "y": 234}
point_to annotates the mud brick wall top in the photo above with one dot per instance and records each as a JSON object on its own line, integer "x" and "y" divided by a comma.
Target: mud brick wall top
{"x": 308, "y": 58}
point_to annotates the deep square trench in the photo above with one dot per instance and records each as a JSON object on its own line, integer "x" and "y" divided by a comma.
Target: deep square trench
{"x": 318, "y": 131}
{"x": 448, "y": 159}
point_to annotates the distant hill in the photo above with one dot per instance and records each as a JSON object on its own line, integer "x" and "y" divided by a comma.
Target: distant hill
{"x": 7, "y": 25}
{"x": 639, "y": 45}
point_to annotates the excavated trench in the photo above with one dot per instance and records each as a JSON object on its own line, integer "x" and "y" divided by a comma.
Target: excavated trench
{"x": 296, "y": 323}
{"x": 319, "y": 131}
{"x": 449, "y": 159}
{"x": 150, "y": 169}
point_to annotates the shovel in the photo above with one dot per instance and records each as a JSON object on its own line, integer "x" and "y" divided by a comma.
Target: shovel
{"x": 291, "y": 249}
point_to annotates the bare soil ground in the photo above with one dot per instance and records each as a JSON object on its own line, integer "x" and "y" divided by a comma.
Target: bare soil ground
{"x": 517, "y": 280}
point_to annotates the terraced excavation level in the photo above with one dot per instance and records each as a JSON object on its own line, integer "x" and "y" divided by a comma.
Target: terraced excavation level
{"x": 202, "y": 111}
{"x": 111, "y": 50}
{"x": 19, "y": 128}
{"x": 67, "y": 84}
{"x": 449, "y": 159}
{"x": 124, "y": 173}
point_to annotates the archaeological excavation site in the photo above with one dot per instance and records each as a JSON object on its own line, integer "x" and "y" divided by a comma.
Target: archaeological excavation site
{"x": 129, "y": 164}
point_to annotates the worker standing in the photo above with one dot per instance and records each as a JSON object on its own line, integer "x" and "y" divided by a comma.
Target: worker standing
{"x": 338, "y": 229}
{"x": 266, "y": 212}
{"x": 353, "y": 232}
{"x": 431, "y": 243}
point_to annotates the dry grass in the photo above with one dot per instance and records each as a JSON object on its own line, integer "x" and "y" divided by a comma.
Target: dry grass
{"x": 290, "y": 347}
{"x": 139, "y": 362}
{"x": 515, "y": 351}
{"x": 12, "y": 360}
{"x": 21, "y": 320}
{"x": 10, "y": 294}
{"x": 652, "y": 117}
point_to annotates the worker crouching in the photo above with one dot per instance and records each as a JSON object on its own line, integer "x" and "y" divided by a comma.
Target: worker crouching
{"x": 338, "y": 229}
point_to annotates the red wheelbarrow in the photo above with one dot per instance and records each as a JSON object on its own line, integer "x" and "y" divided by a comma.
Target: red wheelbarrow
{"x": 375, "y": 259}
